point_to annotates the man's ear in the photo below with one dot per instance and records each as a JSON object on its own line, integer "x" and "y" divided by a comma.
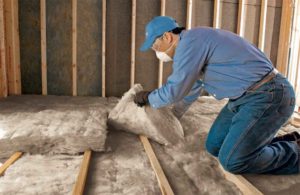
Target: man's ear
{"x": 168, "y": 37}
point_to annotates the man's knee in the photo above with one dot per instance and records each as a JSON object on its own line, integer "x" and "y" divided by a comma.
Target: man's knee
{"x": 212, "y": 148}
{"x": 232, "y": 165}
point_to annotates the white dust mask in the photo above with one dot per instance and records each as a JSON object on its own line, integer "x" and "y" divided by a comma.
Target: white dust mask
{"x": 163, "y": 56}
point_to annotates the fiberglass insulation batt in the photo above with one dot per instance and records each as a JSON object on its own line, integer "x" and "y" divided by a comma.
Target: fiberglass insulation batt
{"x": 52, "y": 124}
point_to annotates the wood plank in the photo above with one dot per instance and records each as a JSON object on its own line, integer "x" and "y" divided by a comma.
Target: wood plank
{"x": 262, "y": 25}
{"x": 12, "y": 47}
{"x": 284, "y": 36}
{"x": 74, "y": 47}
{"x": 296, "y": 119}
{"x": 217, "y": 14}
{"x": 10, "y": 161}
{"x": 133, "y": 37}
{"x": 81, "y": 178}
{"x": 293, "y": 68}
{"x": 242, "y": 183}
{"x": 161, "y": 64}
{"x": 189, "y": 14}
{"x": 103, "y": 45}
{"x": 162, "y": 180}
{"x": 297, "y": 59}
{"x": 3, "y": 69}
{"x": 241, "y": 18}
{"x": 43, "y": 47}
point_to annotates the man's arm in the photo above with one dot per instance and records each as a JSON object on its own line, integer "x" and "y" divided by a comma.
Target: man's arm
{"x": 179, "y": 108}
{"x": 188, "y": 61}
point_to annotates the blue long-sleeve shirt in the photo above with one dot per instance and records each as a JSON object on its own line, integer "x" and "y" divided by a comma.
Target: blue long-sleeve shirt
{"x": 230, "y": 65}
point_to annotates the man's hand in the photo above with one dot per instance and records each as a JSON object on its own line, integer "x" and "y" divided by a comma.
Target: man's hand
{"x": 141, "y": 98}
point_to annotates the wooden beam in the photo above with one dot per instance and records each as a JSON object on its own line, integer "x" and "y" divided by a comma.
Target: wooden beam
{"x": 284, "y": 36}
{"x": 162, "y": 180}
{"x": 293, "y": 67}
{"x": 9, "y": 162}
{"x": 262, "y": 25}
{"x": 81, "y": 178}
{"x": 74, "y": 47}
{"x": 133, "y": 31}
{"x": 3, "y": 73}
{"x": 12, "y": 47}
{"x": 43, "y": 47}
{"x": 189, "y": 14}
{"x": 217, "y": 14}
{"x": 163, "y": 8}
{"x": 161, "y": 64}
{"x": 241, "y": 18}
{"x": 242, "y": 183}
{"x": 103, "y": 45}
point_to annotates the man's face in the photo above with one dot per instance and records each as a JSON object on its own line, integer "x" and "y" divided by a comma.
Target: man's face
{"x": 163, "y": 43}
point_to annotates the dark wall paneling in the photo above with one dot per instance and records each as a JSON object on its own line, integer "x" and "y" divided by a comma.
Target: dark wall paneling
{"x": 203, "y": 12}
{"x": 229, "y": 16}
{"x": 59, "y": 46}
{"x": 89, "y": 40}
{"x": 30, "y": 46}
{"x": 146, "y": 64}
{"x": 118, "y": 46}
{"x": 178, "y": 10}
{"x": 252, "y": 19}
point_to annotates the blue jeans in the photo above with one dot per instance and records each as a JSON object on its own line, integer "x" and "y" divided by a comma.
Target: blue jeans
{"x": 241, "y": 136}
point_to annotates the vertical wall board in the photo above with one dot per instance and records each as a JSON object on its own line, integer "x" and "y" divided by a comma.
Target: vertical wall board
{"x": 59, "y": 46}
{"x": 118, "y": 47}
{"x": 178, "y": 10}
{"x": 12, "y": 46}
{"x": 146, "y": 64}
{"x": 30, "y": 46}
{"x": 272, "y": 31}
{"x": 3, "y": 72}
{"x": 203, "y": 12}
{"x": 89, "y": 36}
{"x": 252, "y": 19}
{"x": 229, "y": 16}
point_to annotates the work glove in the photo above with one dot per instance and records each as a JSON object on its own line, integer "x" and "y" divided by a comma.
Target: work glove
{"x": 141, "y": 98}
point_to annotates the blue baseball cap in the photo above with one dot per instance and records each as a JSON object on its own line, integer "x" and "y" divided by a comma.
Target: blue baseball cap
{"x": 156, "y": 28}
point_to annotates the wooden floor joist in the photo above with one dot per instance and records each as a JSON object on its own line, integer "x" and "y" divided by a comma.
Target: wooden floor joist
{"x": 10, "y": 161}
{"x": 242, "y": 183}
{"x": 81, "y": 178}
{"x": 162, "y": 179}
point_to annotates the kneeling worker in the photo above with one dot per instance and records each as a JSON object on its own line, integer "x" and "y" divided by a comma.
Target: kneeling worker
{"x": 260, "y": 99}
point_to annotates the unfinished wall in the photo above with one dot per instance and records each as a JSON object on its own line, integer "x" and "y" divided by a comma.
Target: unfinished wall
{"x": 118, "y": 40}
{"x": 146, "y": 70}
{"x": 30, "y": 44}
{"x": 89, "y": 24}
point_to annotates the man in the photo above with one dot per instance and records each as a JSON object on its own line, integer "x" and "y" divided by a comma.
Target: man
{"x": 260, "y": 99}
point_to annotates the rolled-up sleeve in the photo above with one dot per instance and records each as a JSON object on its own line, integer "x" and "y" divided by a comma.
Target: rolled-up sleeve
{"x": 189, "y": 59}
